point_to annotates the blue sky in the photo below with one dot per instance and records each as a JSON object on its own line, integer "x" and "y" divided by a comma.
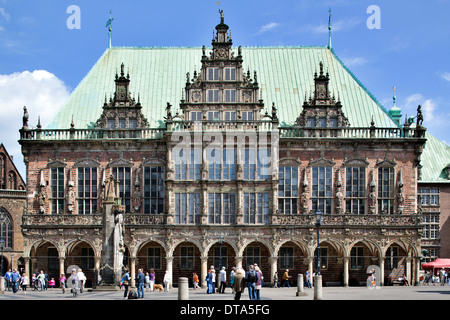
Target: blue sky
{"x": 42, "y": 60}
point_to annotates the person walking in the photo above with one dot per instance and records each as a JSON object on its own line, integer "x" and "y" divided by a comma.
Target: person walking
{"x": 167, "y": 280}
{"x": 275, "y": 280}
{"x": 73, "y": 280}
{"x": 286, "y": 278}
{"x": 62, "y": 282}
{"x": 258, "y": 283}
{"x": 232, "y": 274}
{"x": 223, "y": 280}
{"x": 24, "y": 282}
{"x": 147, "y": 281}
{"x": 209, "y": 283}
{"x": 15, "y": 279}
{"x": 140, "y": 281}
{"x": 251, "y": 277}
{"x": 126, "y": 283}
{"x": 8, "y": 279}
{"x": 238, "y": 283}
{"x": 81, "y": 280}
{"x": 195, "y": 281}
{"x": 151, "y": 279}
{"x": 307, "y": 280}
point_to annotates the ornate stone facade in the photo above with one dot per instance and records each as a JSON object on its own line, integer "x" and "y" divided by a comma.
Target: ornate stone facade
{"x": 224, "y": 169}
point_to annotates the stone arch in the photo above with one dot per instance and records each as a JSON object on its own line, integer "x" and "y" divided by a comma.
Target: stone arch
{"x": 186, "y": 258}
{"x": 45, "y": 255}
{"x": 361, "y": 253}
{"x": 395, "y": 254}
{"x": 259, "y": 252}
{"x": 81, "y": 253}
{"x": 151, "y": 254}
{"x": 212, "y": 251}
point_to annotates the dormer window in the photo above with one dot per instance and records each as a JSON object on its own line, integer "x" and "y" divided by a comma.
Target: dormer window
{"x": 230, "y": 74}
{"x": 213, "y": 74}
{"x": 213, "y": 95}
{"x": 230, "y": 95}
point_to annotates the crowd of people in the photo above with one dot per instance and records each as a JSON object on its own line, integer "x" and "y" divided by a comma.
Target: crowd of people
{"x": 40, "y": 281}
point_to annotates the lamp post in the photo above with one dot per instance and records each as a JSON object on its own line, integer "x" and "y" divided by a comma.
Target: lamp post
{"x": 318, "y": 215}
{"x": 318, "y": 277}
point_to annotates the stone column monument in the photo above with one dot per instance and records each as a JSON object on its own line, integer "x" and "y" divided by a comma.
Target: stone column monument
{"x": 113, "y": 247}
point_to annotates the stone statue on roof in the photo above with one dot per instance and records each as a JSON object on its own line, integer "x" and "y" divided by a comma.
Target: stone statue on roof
{"x": 222, "y": 18}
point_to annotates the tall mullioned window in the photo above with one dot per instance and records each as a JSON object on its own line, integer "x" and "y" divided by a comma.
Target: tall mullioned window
{"x": 6, "y": 229}
{"x": 287, "y": 189}
{"x": 57, "y": 190}
{"x": 123, "y": 175}
{"x": 386, "y": 190}
{"x": 87, "y": 190}
{"x": 355, "y": 190}
{"x": 256, "y": 208}
{"x": 322, "y": 189}
{"x": 428, "y": 196}
{"x": 221, "y": 208}
{"x": 153, "y": 190}
{"x": 187, "y": 208}
{"x": 188, "y": 164}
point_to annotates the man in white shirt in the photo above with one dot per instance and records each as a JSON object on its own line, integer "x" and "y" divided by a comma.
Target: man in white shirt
{"x": 223, "y": 280}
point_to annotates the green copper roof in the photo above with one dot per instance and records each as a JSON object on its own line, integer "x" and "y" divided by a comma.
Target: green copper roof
{"x": 434, "y": 159}
{"x": 158, "y": 75}
{"x": 285, "y": 74}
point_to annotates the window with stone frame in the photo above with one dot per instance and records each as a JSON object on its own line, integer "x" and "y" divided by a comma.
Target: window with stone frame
{"x": 196, "y": 115}
{"x": 286, "y": 258}
{"x": 186, "y": 258}
{"x": 187, "y": 208}
{"x": 87, "y": 190}
{"x": 123, "y": 175}
{"x": 212, "y": 74}
{"x": 392, "y": 258}
{"x": 153, "y": 194}
{"x": 431, "y": 226}
{"x": 213, "y": 96}
{"x": 87, "y": 259}
{"x": 6, "y": 231}
{"x": 188, "y": 164}
{"x": 386, "y": 190}
{"x": 256, "y": 208}
{"x": 355, "y": 190}
{"x": 221, "y": 164}
{"x": 220, "y": 258}
{"x": 428, "y": 196}
{"x": 229, "y": 74}
{"x": 57, "y": 198}
{"x": 154, "y": 258}
{"x": 323, "y": 258}
{"x": 357, "y": 258}
{"x": 229, "y": 95}
{"x": 252, "y": 256}
{"x": 287, "y": 189}
{"x": 322, "y": 189}
{"x": 221, "y": 208}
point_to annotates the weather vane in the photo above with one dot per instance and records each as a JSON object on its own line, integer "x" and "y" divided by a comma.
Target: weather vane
{"x": 109, "y": 26}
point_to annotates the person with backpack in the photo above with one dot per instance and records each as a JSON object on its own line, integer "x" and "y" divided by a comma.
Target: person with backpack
{"x": 126, "y": 283}
{"x": 251, "y": 276}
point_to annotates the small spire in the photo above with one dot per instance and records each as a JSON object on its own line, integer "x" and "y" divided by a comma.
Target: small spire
{"x": 329, "y": 29}
{"x": 109, "y": 26}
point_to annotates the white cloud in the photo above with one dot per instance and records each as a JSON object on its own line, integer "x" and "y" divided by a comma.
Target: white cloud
{"x": 40, "y": 91}
{"x": 4, "y": 14}
{"x": 428, "y": 108}
{"x": 268, "y": 27}
{"x": 446, "y": 76}
{"x": 354, "y": 61}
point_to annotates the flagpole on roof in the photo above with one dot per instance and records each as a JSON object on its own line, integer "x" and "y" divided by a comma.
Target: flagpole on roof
{"x": 329, "y": 29}
{"x": 109, "y": 26}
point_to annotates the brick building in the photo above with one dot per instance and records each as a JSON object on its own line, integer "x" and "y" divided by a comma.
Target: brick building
{"x": 224, "y": 166}
{"x": 12, "y": 203}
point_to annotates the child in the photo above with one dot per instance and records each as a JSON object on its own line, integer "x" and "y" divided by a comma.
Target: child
{"x": 24, "y": 282}
{"x": 51, "y": 283}
{"x": 62, "y": 281}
